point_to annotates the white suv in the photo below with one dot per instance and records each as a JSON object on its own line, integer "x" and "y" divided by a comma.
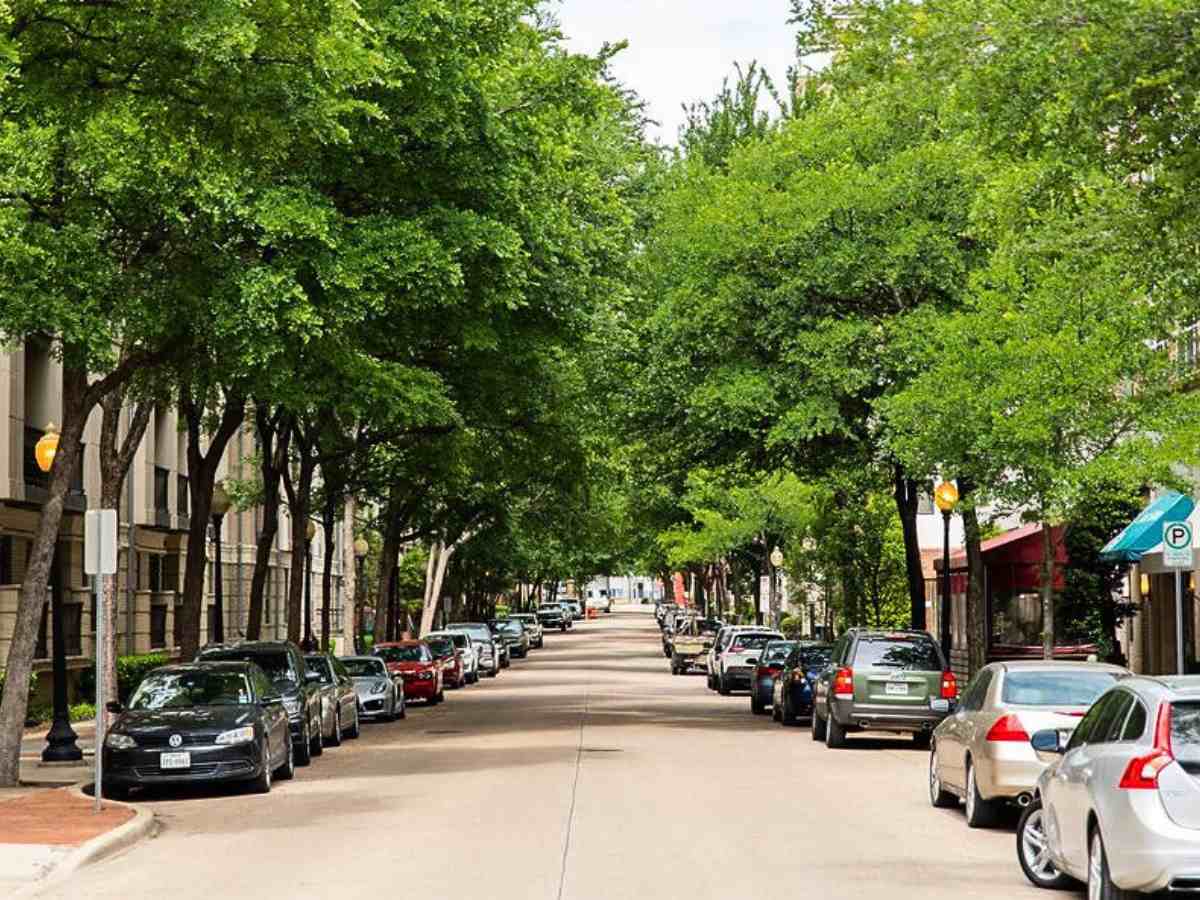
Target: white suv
{"x": 737, "y": 662}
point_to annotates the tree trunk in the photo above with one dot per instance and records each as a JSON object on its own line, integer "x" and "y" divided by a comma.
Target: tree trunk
{"x": 202, "y": 473}
{"x": 329, "y": 531}
{"x": 299, "y": 494}
{"x": 274, "y": 441}
{"x": 32, "y": 599}
{"x": 668, "y": 582}
{"x": 435, "y": 573}
{"x": 1047, "y": 590}
{"x": 114, "y": 467}
{"x": 907, "y": 494}
{"x": 977, "y": 624}
{"x": 387, "y": 563}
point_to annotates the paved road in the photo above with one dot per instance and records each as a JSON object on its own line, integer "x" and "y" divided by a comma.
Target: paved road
{"x": 587, "y": 772}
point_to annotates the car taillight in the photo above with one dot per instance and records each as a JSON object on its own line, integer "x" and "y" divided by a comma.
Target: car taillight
{"x": 1142, "y": 772}
{"x": 1009, "y": 728}
{"x": 843, "y": 684}
{"x": 949, "y": 686}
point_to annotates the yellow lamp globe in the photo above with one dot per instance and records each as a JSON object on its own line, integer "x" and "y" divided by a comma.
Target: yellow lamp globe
{"x": 945, "y": 497}
{"x": 46, "y": 448}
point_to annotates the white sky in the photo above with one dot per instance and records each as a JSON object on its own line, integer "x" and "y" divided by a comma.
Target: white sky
{"x": 680, "y": 50}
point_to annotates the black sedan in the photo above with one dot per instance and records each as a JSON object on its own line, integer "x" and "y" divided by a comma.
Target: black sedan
{"x": 768, "y": 668}
{"x": 793, "y": 697}
{"x": 199, "y": 722}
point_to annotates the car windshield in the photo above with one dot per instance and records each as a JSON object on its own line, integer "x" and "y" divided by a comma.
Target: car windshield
{"x": 525, "y": 617}
{"x": 365, "y": 668}
{"x": 411, "y": 653}
{"x": 184, "y": 690}
{"x": 440, "y": 646}
{"x": 899, "y": 652}
{"x": 777, "y": 651}
{"x": 479, "y": 632}
{"x": 509, "y": 626}
{"x": 1185, "y": 735}
{"x": 276, "y": 665}
{"x": 743, "y": 642}
{"x": 319, "y": 667}
{"x": 1046, "y": 688}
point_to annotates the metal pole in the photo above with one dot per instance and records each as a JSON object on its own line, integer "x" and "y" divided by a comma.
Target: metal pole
{"x": 218, "y": 601}
{"x": 60, "y": 742}
{"x": 101, "y": 704}
{"x": 944, "y": 617}
{"x": 308, "y": 632}
{"x": 1179, "y": 620}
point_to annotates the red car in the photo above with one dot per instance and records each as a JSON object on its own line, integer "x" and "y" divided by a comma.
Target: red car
{"x": 454, "y": 674}
{"x": 416, "y": 664}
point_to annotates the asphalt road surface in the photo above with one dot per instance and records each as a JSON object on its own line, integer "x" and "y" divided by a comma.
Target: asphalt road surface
{"x": 586, "y": 772}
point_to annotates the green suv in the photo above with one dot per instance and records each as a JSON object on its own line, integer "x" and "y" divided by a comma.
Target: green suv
{"x": 882, "y": 681}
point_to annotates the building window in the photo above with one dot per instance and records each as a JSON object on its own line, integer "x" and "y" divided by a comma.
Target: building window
{"x": 6, "y": 560}
{"x": 158, "y": 626}
{"x": 162, "y": 505}
{"x": 184, "y": 498}
{"x": 156, "y": 573}
{"x": 177, "y": 631}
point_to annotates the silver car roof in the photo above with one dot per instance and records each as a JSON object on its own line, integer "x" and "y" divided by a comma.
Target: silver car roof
{"x": 1026, "y": 665}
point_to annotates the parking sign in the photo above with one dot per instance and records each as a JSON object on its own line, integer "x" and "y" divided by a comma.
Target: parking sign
{"x": 1177, "y": 545}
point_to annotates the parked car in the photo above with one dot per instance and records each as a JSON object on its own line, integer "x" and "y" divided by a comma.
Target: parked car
{"x": 415, "y": 663}
{"x": 1118, "y": 805}
{"x": 981, "y": 753}
{"x": 380, "y": 693}
{"x": 737, "y": 662}
{"x": 537, "y": 637}
{"x": 465, "y": 648}
{"x": 512, "y": 633}
{"x": 689, "y": 641}
{"x": 339, "y": 700}
{"x": 551, "y": 615}
{"x": 444, "y": 651}
{"x": 492, "y": 654}
{"x": 793, "y": 694}
{"x": 883, "y": 681}
{"x": 284, "y": 664}
{"x": 720, "y": 644}
{"x": 199, "y": 722}
{"x": 575, "y": 608}
{"x": 770, "y": 665}
{"x": 661, "y": 608}
{"x": 600, "y": 604}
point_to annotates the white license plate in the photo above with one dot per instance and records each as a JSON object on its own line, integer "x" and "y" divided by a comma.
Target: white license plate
{"x": 175, "y": 760}
{"x": 898, "y": 688}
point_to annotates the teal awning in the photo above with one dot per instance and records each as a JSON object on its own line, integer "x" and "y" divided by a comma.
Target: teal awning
{"x": 1145, "y": 532}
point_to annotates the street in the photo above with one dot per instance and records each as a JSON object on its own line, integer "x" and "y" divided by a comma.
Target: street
{"x": 585, "y": 772}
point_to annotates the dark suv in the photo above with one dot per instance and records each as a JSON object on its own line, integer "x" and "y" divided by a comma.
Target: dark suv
{"x": 882, "y": 681}
{"x": 284, "y": 664}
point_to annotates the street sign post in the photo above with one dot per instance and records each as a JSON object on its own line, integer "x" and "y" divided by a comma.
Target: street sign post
{"x": 1178, "y": 555}
{"x": 99, "y": 558}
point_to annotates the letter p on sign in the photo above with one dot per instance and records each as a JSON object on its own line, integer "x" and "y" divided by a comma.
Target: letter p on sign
{"x": 1177, "y": 545}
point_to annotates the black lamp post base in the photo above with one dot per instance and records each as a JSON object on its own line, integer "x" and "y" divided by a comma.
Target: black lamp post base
{"x": 60, "y": 743}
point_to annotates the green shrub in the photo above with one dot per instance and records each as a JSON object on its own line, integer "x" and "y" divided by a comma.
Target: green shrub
{"x": 502, "y": 611}
{"x": 38, "y": 713}
{"x": 792, "y": 626}
{"x": 130, "y": 672}
{"x": 82, "y": 712}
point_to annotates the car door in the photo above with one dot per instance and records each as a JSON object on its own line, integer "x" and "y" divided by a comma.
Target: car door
{"x": 791, "y": 678}
{"x": 345, "y": 690}
{"x": 821, "y": 693}
{"x": 1069, "y": 789}
{"x": 954, "y": 735}
{"x": 274, "y": 716}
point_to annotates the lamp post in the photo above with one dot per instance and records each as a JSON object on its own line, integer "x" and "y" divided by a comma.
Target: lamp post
{"x": 309, "y": 644}
{"x": 776, "y": 562}
{"x": 220, "y": 505}
{"x": 60, "y": 742}
{"x": 361, "y": 548}
{"x": 946, "y": 498}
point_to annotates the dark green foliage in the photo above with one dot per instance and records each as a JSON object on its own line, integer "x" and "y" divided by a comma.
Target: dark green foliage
{"x": 130, "y": 672}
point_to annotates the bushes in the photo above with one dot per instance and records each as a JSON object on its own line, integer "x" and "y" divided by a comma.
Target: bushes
{"x": 502, "y": 611}
{"x": 130, "y": 672}
{"x": 82, "y": 712}
{"x": 792, "y": 627}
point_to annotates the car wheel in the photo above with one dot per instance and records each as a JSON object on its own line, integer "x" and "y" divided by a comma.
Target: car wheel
{"x": 775, "y": 716}
{"x": 304, "y": 751}
{"x": 438, "y": 697}
{"x": 722, "y": 686}
{"x": 1100, "y": 884}
{"x": 939, "y": 797}
{"x": 288, "y": 769}
{"x": 756, "y": 706}
{"x": 403, "y": 714}
{"x": 1033, "y": 850}
{"x": 335, "y": 739}
{"x": 356, "y": 729}
{"x": 981, "y": 813}
{"x": 818, "y": 726}
{"x": 921, "y": 739}
{"x": 835, "y": 734}
{"x": 787, "y": 716}
{"x": 318, "y": 743}
{"x": 261, "y": 783}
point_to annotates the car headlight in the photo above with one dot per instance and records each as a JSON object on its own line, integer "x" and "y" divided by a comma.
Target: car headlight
{"x": 118, "y": 741}
{"x": 425, "y": 676}
{"x": 379, "y": 687}
{"x": 243, "y": 735}
{"x": 292, "y": 705}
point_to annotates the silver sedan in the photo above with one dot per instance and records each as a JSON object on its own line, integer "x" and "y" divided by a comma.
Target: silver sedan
{"x": 981, "y": 752}
{"x": 1118, "y": 806}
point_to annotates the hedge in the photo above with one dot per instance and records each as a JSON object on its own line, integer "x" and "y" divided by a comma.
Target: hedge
{"x": 130, "y": 672}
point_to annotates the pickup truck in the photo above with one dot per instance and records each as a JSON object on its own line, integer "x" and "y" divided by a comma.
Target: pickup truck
{"x": 691, "y": 642}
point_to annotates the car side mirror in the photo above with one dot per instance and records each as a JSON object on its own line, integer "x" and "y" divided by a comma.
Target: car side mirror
{"x": 1049, "y": 740}
{"x": 114, "y": 707}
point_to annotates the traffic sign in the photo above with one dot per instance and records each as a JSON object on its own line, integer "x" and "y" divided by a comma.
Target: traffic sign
{"x": 1177, "y": 545}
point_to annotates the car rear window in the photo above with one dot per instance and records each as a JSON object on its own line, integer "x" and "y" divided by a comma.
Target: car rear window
{"x": 812, "y": 657}
{"x": 1055, "y": 688}
{"x": 1185, "y": 734}
{"x": 899, "y": 652}
{"x": 777, "y": 651}
{"x": 752, "y": 641}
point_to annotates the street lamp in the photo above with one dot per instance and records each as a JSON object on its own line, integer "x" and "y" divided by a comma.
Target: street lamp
{"x": 776, "y": 562}
{"x": 946, "y": 498}
{"x": 361, "y": 548}
{"x": 219, "y": 506}
{"x": 309, "y": 644}
{"x": 60, "y": 742}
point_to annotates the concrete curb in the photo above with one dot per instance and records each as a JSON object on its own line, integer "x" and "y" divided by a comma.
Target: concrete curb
{"x": 137, "y": 829}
